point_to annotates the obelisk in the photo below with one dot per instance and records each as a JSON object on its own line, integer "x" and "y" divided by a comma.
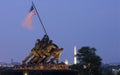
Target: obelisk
{"x": 75, "y": 58}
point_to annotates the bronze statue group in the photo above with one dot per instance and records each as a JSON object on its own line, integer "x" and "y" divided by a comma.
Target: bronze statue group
{"x": 44, "y": 52}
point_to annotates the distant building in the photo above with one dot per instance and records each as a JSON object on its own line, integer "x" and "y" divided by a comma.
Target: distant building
{"x": 114, "y": 68}
{"x": 66, "y": 62}
{"x": 2, "y": 64}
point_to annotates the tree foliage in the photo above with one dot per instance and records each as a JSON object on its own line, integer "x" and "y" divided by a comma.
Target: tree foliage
{"x": 118, "y": 73}
{"x": 89, "y": 62}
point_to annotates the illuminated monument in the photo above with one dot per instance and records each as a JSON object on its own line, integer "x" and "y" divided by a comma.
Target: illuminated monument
{"x": 45, "y": 55}
{"x": 42, "y": 60}
{"x": 75, "y": 52}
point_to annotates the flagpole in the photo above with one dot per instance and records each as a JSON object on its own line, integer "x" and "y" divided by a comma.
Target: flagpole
{"x": 39, "y": 18}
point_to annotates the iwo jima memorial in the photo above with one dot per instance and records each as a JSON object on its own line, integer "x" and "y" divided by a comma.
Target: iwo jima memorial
{"x": 42, "y": 60}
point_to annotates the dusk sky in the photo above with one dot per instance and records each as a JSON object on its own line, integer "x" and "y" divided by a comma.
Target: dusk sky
{"x": 93, "y": 23}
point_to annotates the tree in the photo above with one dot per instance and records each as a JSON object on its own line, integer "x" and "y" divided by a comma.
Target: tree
{"x": 89, "y": 60}
{"x": 118, "y": 73}
{"x": 108, "y": 73}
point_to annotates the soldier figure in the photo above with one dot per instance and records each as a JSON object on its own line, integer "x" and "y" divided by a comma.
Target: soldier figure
{"x": 43, "y": 51}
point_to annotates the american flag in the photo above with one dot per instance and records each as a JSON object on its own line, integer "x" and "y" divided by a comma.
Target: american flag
{"x": 28, "y": 20}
